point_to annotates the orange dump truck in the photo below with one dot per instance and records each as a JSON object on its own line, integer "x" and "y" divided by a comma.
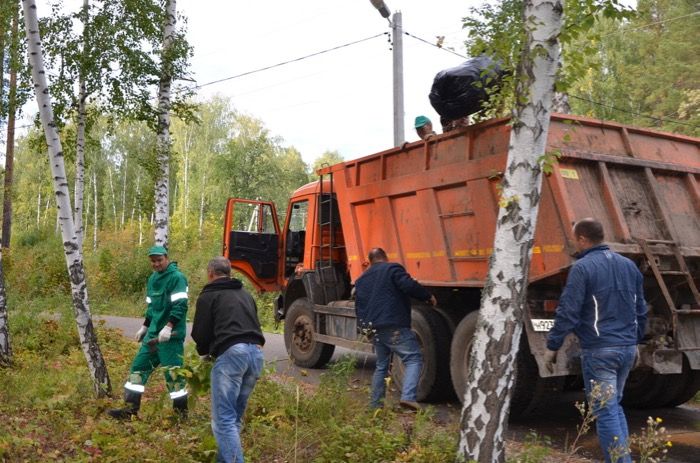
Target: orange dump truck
{"x": 432, "y": 205}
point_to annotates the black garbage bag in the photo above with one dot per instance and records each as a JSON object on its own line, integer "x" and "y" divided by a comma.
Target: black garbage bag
{"x": 454, "y": 94}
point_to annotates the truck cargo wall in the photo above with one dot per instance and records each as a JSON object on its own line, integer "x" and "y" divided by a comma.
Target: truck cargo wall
{"x": 433, "y": 205}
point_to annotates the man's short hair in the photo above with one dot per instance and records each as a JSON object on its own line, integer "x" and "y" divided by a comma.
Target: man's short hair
{"x": 591, "y": 229}
{"x": 220, "y": 266}
{"x": 377, "y": 255}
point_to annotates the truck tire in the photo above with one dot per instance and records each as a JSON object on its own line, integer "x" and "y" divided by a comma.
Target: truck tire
{"x": 434, "y": 338}
{"x": 529, "y": 391}
{"x": 690, "y": 385}
{"x": 299, "y": 328}
{"x": 459, "y": 353}
{"x": 644, "y": 389}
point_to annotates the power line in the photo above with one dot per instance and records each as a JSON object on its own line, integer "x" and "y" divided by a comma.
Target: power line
{"x": 434, "y": 45}
{"x": 301, "y": 58}
{"x": 658, "y": 119}
{"x": 622, "y": 31}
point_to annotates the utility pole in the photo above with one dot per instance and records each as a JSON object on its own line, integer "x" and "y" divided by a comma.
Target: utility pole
{"x": 397, "y": 63}
{"x": 397, "y": 49}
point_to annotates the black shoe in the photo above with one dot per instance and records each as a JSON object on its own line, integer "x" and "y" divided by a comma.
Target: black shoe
{"x": 122, "y": 413}
{"x": 133, "y": 403}
{"x": 180, "y": 407}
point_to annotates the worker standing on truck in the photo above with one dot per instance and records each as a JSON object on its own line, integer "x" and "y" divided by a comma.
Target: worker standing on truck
{"x": 226, "y": 327}
{"x": 424, "y": 127}
{"x": 162, "y": 335}
{"x": 603, "y": 304}
{"x": 383, "y": 308}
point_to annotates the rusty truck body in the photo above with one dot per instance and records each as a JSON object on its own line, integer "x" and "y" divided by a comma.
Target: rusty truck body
{"x": 432, "y": 205}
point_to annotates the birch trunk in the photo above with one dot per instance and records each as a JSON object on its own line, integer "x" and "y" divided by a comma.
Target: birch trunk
{"x": 186, "y": 187}
{"x": 201, "y": 203}
{"x": 10, "y": 142}
{"x": 114, "y": 199}
{"x": 5, "y": 346}
{"x": 497, "y": 337}
{"x": 74, "y": 258}
{"x": 38, "y": 209}
{"x": 80, "y": 142}
{"x": 126, "y": 171}
{"x": 94, "y": 217}
{"x": 162, "y": 209}
{"x": 86, "y": 221}
{"x": 137, "y": 199}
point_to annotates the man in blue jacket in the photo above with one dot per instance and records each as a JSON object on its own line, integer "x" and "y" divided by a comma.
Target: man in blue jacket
{"x": 383, "y": 304}
{"x": 603, "y": 304}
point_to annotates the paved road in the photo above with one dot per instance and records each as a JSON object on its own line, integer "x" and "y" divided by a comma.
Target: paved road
{"x": 559, "y": 422}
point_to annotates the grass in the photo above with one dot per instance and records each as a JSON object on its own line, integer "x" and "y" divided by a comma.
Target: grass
{"x": 49, "y": 413}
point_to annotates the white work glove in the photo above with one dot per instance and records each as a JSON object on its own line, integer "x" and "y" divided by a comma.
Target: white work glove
{"x": 141, "y": 333}
{"x": 550, "y": 358}
{"x": 165, "y": 333}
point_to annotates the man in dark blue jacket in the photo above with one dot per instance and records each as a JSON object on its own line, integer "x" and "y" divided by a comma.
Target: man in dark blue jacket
{"x": 383, "y": 303}
{"x": 603, "y": 304}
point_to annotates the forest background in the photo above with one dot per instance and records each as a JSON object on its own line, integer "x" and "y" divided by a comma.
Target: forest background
{"x": 642, "y": 72}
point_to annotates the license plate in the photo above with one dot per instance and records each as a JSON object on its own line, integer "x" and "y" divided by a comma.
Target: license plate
{"x": 542, "y": 324}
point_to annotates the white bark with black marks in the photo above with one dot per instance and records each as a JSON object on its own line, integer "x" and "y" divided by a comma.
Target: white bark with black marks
{"x": 496, "y": 342}
{"x": 80, "y": 144}
{"x": 163, "y": 143}
{"x": 74, "y": 260}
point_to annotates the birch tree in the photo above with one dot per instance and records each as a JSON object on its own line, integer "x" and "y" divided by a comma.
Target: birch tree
{"x": 493, "y": 355}
{"x": 10, "y": 141}
{"x": 5, "y": 346}
{"x": 162, "y": 207}
{"x": 80, "y": 135}
{"x": 73, "y": 254}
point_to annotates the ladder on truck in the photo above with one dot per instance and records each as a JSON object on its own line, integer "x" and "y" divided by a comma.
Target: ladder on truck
{"x": 669, "y": 279}
{"x": 327, "y": 228}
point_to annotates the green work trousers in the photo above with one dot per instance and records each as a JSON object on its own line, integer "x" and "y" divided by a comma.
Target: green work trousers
{"x": 148, "y": 358}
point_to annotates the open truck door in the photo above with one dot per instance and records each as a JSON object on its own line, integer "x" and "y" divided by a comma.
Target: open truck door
{"x": 251, "y": 241}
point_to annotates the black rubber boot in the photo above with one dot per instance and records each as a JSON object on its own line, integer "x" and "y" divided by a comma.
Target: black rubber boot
{"x": 180, "y": 407}
{"x": 133, "y": 403}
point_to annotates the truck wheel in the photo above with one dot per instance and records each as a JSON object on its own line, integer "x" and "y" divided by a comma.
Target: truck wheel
{"x": 529, "y": 391}
{"x": 459, "y": 353}
{"x": 434, "y": 338}
{"x": 690, "y": 381}
{"x": 299, "y": 328}
{"x": 644, "y": 389}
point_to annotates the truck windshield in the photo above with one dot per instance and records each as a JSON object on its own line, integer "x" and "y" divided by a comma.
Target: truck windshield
{"x": 297, "y": 221}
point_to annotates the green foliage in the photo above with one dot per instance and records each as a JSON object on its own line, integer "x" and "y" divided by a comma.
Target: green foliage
{"x": 328, "y": 158}
{"x": 49, "y": 413}
{"x": 498, "y": 30}
{"x": 644, "y": 67}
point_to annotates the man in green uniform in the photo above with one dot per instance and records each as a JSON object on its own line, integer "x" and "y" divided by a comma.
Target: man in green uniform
{"x": 162, "y": 335}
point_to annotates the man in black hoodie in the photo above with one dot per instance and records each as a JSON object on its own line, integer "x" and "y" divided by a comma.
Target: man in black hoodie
{"x": 226, "y": 327}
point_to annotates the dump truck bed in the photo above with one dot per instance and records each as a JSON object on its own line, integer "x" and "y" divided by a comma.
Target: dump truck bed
{"x": 433, "y": 205}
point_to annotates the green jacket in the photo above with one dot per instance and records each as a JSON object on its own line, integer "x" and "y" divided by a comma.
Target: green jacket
{"x": 166, "y": 296}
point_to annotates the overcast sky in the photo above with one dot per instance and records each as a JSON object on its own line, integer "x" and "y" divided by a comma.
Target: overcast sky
{"x": 341, "y": 100}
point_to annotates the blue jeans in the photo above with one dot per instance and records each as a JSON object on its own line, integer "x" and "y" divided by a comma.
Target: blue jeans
{"x": 608, "y": 367}
{"x": 233, "y": 378}
{"x": 402, "y": 342}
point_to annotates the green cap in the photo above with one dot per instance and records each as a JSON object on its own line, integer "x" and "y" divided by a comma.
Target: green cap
{"x": 421, "y": 121}
{"x": 157, "y": 251}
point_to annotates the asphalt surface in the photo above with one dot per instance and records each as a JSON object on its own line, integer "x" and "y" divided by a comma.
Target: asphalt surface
{"x": 558, "y": 421}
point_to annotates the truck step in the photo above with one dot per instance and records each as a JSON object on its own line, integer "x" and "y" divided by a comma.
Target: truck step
{"x": 659, "y": 242}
